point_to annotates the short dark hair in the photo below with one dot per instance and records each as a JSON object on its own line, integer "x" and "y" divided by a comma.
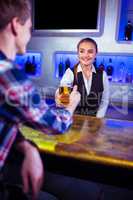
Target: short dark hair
{"x": 88, "y": 40}
{"x": 14, "y": 8}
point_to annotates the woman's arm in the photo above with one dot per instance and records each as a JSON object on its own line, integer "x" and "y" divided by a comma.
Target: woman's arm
{"x": 105, "y": 97}
{"x": 68, "y": 78}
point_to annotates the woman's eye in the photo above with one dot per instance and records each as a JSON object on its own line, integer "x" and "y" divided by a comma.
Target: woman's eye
{"x": 81, "y": 51}
{"x": 90, "y": 51}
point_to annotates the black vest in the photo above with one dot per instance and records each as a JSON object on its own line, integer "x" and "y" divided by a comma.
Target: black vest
{"x": 89, "y": 104}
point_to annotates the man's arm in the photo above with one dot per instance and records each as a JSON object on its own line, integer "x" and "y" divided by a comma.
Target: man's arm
{"x": 20, "y": 106}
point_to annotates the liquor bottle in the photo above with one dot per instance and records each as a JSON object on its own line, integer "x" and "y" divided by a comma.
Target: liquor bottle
{"x": 110, "y": 69}
{"x": 67, "y": 64}
{"x": 121, "y": 73}
{"x": 34, "y": 66}
{"x": 30, "y": 66}
{"x": 61, "y": 68}
{"x": 128, "y": 31}
{"x": 101, "y": 67}
{"x": 95, "y": 63}
{"x": 27, "y": 65}
{"x": 129, "y": 78}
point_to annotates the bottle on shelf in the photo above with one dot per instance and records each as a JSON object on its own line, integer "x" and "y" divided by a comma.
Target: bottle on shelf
{"x": 67, "y": 64}
{"x": 101, "y": 67}
{"x": 34, "y": 65}
{"x": 110, "y": 69}
{"x": 95, "y": 63}
{"x": 128, "y": 31}
{"x": 129, "y": 77}
{"x": 60, "y": 68}
{"x": 121, "y": 73}
{"x": 30, "y": 66}
{"x": 27, "y": 65}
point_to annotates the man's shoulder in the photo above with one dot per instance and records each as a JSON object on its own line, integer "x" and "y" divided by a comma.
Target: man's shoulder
{"x": 19, "y": 74}
{"x": 5, "y": 65}
{"x": 10, "y": 68}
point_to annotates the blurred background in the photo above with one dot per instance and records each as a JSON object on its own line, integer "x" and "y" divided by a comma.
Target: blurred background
{"x": 56, "y": 32}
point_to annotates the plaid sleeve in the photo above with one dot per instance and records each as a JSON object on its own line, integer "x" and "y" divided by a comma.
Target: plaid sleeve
{"x": 23, "y": 103}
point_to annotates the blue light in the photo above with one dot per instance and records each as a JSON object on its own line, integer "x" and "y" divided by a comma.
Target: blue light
{"x": 123, "y": 20}
{"x": 21, "y": 60}
{"x": 121, "y": 62}
{"x": 119, "y": 124}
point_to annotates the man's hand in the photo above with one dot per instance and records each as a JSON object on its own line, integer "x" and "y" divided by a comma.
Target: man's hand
{"x": 74, "y": 100}
{"x": 32, "y": 169}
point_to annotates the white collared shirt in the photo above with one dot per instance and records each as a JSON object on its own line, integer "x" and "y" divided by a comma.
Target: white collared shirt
{"x": 68, "y": 79}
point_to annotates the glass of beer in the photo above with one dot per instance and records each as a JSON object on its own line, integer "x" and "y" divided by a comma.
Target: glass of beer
{"x": 64, "y": 92}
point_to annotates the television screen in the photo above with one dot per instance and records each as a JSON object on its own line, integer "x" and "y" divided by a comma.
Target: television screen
{"x": 65, "y": 16}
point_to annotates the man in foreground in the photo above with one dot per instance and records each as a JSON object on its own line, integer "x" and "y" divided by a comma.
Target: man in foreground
{"x": 15, "y": 33}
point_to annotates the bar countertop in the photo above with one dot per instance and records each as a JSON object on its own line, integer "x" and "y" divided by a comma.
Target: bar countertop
{"x": 106, "y": 141}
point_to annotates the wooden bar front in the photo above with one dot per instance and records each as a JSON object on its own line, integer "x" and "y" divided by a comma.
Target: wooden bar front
{"x": 106, "y": 141}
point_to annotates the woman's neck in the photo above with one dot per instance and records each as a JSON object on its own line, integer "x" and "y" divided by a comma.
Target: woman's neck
{"x": 87, "y": 71}
{"x": 87, "y": 67}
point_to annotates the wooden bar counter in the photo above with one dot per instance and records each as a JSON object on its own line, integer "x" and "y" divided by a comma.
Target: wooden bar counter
{"x": 106, "y": 142}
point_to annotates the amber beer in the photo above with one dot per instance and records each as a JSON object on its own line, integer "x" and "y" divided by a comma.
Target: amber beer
{"x": 64, "y": 92}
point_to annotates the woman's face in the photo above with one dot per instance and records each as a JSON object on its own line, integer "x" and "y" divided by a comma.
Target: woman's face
{"x": 86, "y": 53}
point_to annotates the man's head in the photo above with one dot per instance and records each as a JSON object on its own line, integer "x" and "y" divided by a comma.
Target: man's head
{"x": 15, "y": 15}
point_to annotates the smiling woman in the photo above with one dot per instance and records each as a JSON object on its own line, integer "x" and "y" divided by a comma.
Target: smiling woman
{"x": 92, "y": 83}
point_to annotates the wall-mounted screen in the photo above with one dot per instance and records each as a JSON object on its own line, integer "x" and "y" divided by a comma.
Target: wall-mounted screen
{"x": 67, "y": 17}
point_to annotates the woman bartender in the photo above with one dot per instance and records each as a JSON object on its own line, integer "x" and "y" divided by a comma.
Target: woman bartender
{"x": 92, "y": 83}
